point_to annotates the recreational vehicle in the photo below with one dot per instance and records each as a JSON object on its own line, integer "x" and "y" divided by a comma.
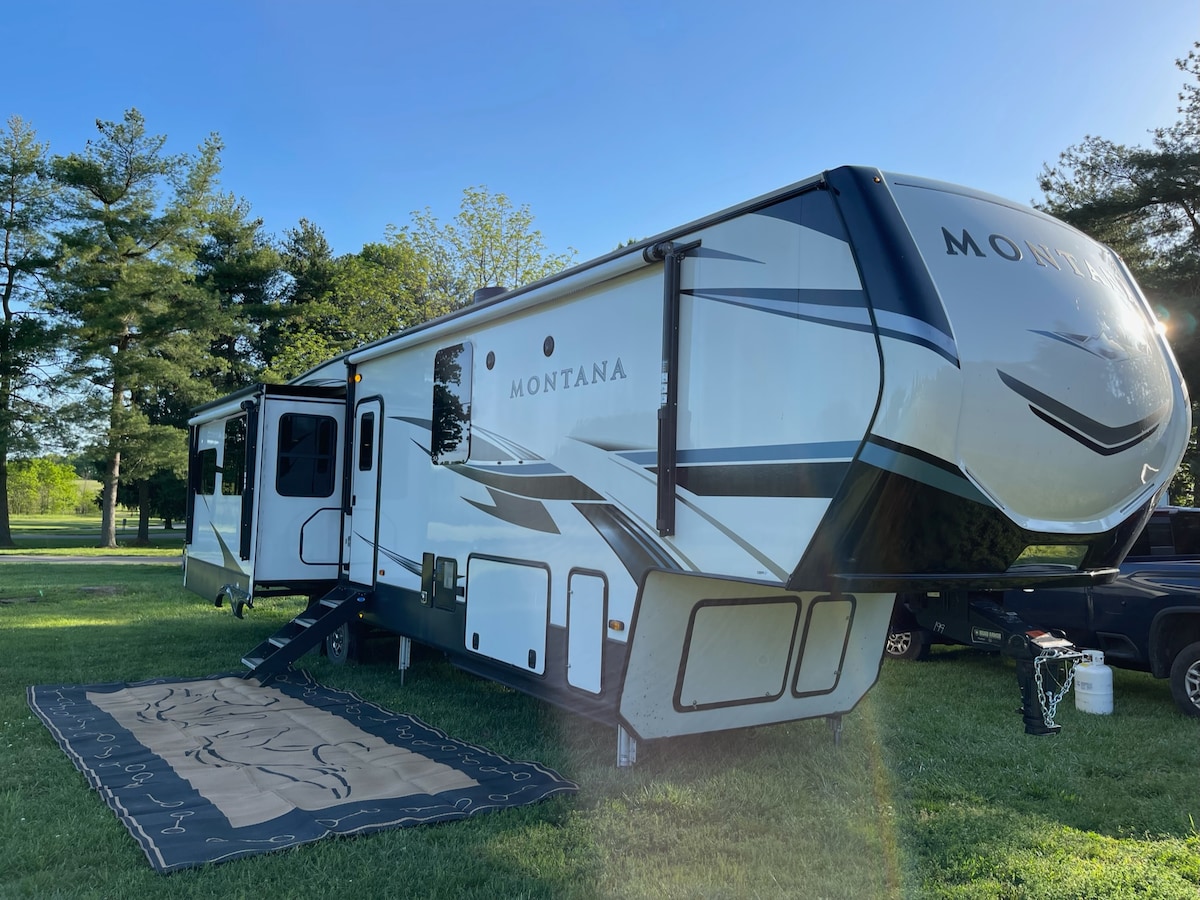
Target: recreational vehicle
{"x": 678, "y": 487}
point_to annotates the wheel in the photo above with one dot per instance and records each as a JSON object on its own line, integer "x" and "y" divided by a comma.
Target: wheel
{"x": 1185, "y": 680}
{"x": 342, "y": 644}
{"x": 912, "y": 644}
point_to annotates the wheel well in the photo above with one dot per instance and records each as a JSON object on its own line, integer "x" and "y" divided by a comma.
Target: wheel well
{"x": 902, "y": 617}
{"x": 1172, "y": 631}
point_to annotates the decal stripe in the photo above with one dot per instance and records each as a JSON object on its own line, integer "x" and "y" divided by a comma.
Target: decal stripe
{"x": 811, "y": 209}
{"x": 818, "y": 450}
{"x": 710, "y": 253}
{"x": 839, "y": 309}
{"x": 518, "y": 511}
{"x": 781, "y": 470}
{"x": 784, "y": 300}
{"x": 779, "y": 480}
{"x": 636, "y": 549}
{"x": 406, "y": 563}
{"x": 541, "y": 487}
{"x": 1101, "y": 449}
{"x": 1096, "y": 436}
{"x": 922, "y": 467}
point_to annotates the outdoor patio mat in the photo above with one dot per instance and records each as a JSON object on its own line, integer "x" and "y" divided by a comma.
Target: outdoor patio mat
{"x": 207, "y": 770}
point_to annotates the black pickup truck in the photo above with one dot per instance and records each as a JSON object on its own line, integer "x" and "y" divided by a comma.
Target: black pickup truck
{"x": 1148, "y": 618}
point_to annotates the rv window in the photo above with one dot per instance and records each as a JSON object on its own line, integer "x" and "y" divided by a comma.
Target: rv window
{"x": 366, "y": 442}
{"x": 233, "y": 468}
{"x": 451, "y": 440}
{"x": 206, "y": 461}
{"x": 307, "y": 448}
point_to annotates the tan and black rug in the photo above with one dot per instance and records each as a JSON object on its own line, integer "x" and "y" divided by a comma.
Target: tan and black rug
{"x": 207, "y": 770}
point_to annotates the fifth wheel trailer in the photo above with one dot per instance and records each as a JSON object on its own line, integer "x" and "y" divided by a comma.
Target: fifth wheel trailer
{"x": 678, "y": 487}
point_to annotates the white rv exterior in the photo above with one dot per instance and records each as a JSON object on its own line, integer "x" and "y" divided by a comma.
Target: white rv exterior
{"x": 265, "y": 493}
{"x": 677, "y": 488}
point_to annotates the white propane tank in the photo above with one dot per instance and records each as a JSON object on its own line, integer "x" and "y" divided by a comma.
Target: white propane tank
{"x": 1093, "y": 684}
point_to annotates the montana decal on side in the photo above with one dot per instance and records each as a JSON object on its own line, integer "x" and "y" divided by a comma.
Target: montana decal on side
{"x": 569, "y": 377}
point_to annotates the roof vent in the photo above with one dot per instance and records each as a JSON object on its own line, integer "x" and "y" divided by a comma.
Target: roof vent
{"x": 487, "y": 293}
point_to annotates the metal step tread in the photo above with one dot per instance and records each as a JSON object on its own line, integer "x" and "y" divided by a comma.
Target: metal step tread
{"x": 274, "y": 654}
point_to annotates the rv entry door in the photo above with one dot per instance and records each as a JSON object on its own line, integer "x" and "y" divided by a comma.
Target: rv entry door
{"x": 364, "y": 490}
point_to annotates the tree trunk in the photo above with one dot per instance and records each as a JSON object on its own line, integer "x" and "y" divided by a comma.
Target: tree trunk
{"x": 5, "y": 526}
{"x": 5, "y": 415}
{"x": 143, "y": 535}
{"x": 108, "y": 504}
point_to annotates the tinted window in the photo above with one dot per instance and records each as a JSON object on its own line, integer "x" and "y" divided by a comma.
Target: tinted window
{"x": 451, "y": 441}
{"x": 366, "y": 442}
{"x": 233, "y": 469}
{"x": 307, "y": 450}
{"x": 206, "y": 465}
{"x": 1155, "y": 539}
{"x": 1187, "y": 533}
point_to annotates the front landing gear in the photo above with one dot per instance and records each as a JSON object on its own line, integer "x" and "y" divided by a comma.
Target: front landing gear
{"x": 1041, "y": 657}
{"x": 835, "y": 727}
{"x": 626, "y": 748}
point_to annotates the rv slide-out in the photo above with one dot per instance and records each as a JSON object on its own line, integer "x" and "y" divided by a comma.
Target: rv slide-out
{"x": 677, "y": 488}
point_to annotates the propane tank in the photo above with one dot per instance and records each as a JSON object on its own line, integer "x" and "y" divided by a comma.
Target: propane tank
{"x": 1093, "y": 684}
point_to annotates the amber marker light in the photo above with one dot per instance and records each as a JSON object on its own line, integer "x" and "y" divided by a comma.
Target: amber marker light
{"x": 357, "y": 377}
{"x": 616, "y": 624}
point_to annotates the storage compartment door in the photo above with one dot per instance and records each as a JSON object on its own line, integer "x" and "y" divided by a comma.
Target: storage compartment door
{"x": 508, "y": 611}
{"x": 587, "y": 603}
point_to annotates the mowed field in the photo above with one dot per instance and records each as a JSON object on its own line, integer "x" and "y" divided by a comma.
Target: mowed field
{"x": 932, "y": 791}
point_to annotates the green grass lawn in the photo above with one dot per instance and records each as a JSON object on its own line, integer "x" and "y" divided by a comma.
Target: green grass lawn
{"x": 78, "y": 535}
{"x": 933, "y": 792}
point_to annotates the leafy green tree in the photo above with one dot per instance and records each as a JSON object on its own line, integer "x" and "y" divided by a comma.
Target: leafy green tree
{"x": 141, "y": 324}
{"x": 27, "y": 338}
{"x": 417, "y": 273}
{"x": 162, "y": 496}
{"x": 238, "y": 263}
{"x": 1145, "y": 203}
{"x": 294, "y": 334}
{"x": 366, "y": 296}
{"x": 43, "y": 485}
{"x": 490, "y": 242}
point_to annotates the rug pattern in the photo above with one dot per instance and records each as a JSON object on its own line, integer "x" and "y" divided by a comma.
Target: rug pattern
{"x": 207, "y": 770}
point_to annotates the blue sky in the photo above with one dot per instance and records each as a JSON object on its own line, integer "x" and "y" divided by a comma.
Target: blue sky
{"x": 611, "y": 120}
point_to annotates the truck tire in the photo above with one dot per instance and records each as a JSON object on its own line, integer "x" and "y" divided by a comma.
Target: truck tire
{"x": 1185, "y": 680}
{"x": 342, "y": 644}
{"x": 912, "y": 644}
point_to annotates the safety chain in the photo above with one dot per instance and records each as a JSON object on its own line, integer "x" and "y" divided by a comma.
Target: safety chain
{"x": 1049, "y": 701}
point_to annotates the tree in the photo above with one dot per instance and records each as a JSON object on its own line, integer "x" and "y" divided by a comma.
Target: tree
{"x": 1145, "y": 203}
{"x": 163, "y": 495}
{"x": 27, "y": 338}
{"x": 417, "y": 273}
{"x": 489, "y": 243}
{"x": 238, "y": 263}
{"x": 293, "y": 337}
{"x": 363, "y": 297}
{"x": 43, "y": 485}
{"x": 141, "y": 324}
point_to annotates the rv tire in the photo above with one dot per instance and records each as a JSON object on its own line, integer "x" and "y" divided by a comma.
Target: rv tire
{"x": 342, "y": 644}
